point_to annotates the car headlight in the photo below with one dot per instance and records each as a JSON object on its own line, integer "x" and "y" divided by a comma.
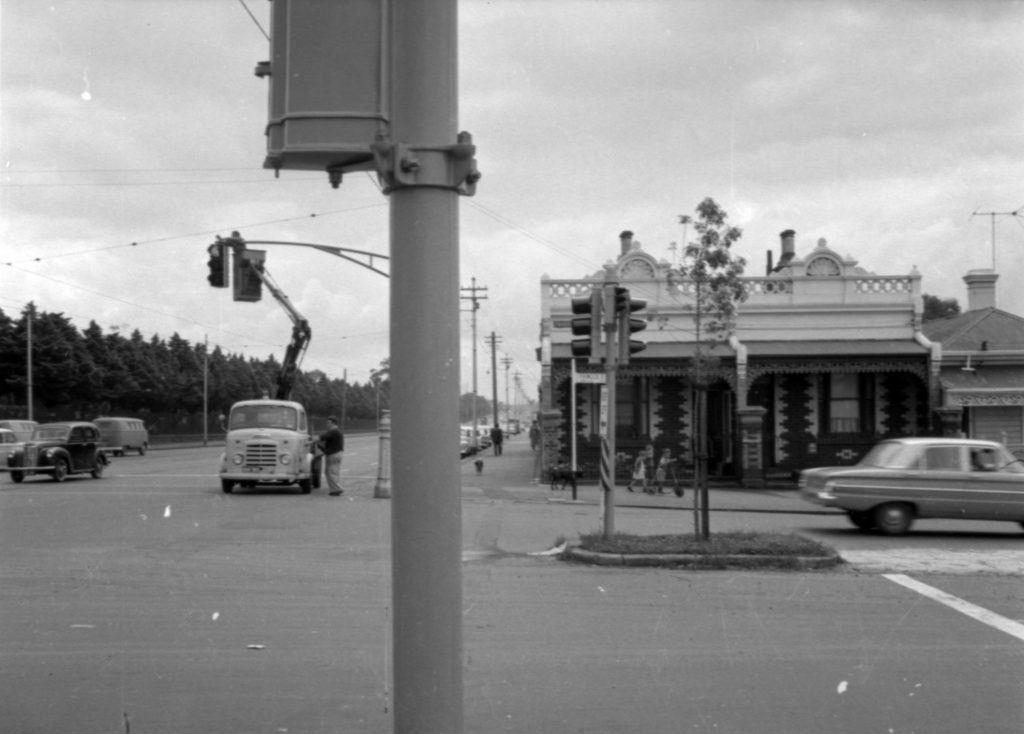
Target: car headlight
{"x": 238, "y": 459}
{"x": 286, "y": 459}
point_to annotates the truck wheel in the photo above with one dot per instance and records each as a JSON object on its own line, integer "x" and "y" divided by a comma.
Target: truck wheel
{"x": 305, "y": 485}
{"x": 60, "y": 469}
{"x": 227, "y": 486}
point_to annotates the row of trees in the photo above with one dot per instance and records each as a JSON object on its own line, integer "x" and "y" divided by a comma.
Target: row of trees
{"x": 84, "y": 374}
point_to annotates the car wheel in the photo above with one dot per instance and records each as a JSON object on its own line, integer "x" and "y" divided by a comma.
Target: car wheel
{"x": 17, "y": 476}
{"x": 60, "y": 470}
{"x": 893, "y": 518}
{"x": 227, "y": 486}
{"x": 97, "y": 469}
{"x": 862, "y": 520}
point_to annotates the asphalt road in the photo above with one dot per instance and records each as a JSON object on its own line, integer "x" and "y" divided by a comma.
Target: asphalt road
{"x": 150, "y": 602}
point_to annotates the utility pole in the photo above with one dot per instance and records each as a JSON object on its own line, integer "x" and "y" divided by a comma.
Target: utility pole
{"x": 29, "y": 317}
{"x": 473, "y": 290}
{"x": 427, "y": 170}
{"x": 494, "y": 341}
{"x": 206, "y": 389}
{"x": 507, "y": 361}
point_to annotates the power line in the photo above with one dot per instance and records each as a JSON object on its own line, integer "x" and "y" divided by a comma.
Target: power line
{"x": 191, "y": 235}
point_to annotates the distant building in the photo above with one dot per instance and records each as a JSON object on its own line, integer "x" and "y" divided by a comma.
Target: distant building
{"x": 981, "y": 367}
{"x": 825, "y": 359}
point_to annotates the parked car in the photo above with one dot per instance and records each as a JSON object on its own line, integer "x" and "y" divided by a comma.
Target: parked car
{"x": 122, "y": 434}
{"x": 7, "y": 436}
{"x": 59, "y": 449}
{"x": 22, "y": 429}
{"x": 904, "y": 479}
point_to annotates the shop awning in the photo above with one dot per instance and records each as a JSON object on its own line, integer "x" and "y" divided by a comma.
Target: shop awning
{"x": 836, "y": 348}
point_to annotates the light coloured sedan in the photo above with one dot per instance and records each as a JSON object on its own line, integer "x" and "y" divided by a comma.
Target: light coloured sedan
{"x": 904, "y": 479}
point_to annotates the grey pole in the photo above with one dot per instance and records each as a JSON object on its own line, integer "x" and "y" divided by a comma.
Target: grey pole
{"x": 426, "y": 520}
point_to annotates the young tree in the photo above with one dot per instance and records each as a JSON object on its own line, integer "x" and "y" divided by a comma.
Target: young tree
{"x": 712, "y": 274}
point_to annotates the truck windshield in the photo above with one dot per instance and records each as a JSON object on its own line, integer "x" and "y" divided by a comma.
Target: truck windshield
{"x": 264, "y": 416}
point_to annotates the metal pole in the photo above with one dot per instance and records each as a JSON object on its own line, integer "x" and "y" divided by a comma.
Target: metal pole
{"x": 31, "y": 318}
{"x": 494, "y": 375}
{"x": 426, "y": 513}
{"x": 206, "y": 389}
{"x": 610, "y": 375}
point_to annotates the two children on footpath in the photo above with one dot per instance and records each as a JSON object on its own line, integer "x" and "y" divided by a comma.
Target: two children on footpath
{"x": 651, "y": 479}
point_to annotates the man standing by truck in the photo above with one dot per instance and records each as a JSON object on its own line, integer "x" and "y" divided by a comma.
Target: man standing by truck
{"x": 332, "y": 443}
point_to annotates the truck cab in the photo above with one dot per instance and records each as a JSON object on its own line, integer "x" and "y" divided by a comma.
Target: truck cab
{"x": 268, "y": 443}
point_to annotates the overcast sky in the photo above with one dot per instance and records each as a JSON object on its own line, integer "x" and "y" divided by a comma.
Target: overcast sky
{"x": 132, "y": 133}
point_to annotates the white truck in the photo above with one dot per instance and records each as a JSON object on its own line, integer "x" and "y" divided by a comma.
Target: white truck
{"x": 268, "y": 443}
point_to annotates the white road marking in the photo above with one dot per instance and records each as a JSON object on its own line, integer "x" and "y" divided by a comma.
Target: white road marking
{"x": 985, "y": 616}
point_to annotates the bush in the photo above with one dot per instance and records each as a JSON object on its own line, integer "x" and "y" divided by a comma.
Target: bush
{"x": 734, "y": 543}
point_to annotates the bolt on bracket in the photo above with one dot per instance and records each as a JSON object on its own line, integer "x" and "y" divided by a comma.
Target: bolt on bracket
{"x": 404, "y": 165}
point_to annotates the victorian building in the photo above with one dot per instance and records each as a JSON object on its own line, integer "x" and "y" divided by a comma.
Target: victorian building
{"x": 824, "y": 359}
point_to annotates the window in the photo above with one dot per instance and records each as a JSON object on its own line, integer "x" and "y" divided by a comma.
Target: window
{"x": 848, "y": 403}
{"x": 631, "y": 408}
{"x": 944, "y": 458}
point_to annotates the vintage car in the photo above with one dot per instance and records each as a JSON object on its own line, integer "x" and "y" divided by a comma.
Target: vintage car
{"x": 903, "y": 479}
{"x": 59, "y": 449}
{"x": 7, "y": 436}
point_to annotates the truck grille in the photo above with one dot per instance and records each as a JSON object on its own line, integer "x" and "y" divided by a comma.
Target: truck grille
{"x": 261, "y": 454}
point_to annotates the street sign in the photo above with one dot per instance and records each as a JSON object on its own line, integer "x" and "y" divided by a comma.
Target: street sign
{"x": 590, "y": 378}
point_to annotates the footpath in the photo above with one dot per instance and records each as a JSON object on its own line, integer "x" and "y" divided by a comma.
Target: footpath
{"x": 544, "y": 515}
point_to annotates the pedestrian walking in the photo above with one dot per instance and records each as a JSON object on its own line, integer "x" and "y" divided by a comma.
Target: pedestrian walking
{"x": 497, "y": 439}
{"x": 332, "y": 443}
{"x": 649, "y": 469}
{"x": 534, "y": 436}
{"x": 639, "y": 473}
{"x": 666, "y": 473}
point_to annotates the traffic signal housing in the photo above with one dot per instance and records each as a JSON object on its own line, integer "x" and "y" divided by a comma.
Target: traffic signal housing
{"x": 248, "y": 264}
{"x": 625, "y": 307}
{"x": 587, "y": 324}
{"x": 220, "y": 271}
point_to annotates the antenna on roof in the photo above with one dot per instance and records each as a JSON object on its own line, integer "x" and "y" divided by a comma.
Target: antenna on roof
{"x": 992, "y": 216}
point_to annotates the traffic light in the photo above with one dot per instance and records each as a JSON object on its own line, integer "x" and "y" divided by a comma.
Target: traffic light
{"x": 625, "y": 307}
{"x": 588, "y": 324}
{"x": 218, "y": 262}
{"x": 248, "y": 265}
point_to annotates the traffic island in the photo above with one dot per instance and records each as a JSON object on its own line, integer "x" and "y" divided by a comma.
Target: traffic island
{"x": 737, "y": 550}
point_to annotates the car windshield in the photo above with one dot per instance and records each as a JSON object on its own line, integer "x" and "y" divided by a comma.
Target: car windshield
{"x": 264, "y": 416}
{"x": 890, "y": 455}
{"x": 51, "y": 433}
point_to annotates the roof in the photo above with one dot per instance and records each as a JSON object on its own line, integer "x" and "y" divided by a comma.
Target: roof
{"x": 983, "y": 328}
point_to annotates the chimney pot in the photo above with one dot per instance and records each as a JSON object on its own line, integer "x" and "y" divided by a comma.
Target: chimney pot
{"x": 626, "y": 241}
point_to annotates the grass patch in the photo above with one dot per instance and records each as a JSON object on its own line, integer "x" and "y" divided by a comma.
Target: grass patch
{"x": 719, "y": 544}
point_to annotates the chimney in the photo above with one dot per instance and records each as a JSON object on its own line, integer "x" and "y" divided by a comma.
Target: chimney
{"x": 788, "y": 250}
{"x": 626, "y": 240}
{"x": 981, "y": 289}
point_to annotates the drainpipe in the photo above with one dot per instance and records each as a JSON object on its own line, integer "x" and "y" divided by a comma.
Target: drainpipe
{"x": 741, "y": 370}
{"x": 934, "y": 367}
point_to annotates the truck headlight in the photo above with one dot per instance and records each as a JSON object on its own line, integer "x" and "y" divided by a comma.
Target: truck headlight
{"x": 286, "y": 459}
{"x": 238, "y": 459}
